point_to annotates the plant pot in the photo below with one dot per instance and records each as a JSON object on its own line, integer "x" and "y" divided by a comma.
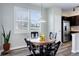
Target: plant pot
{"x": 6, "y": 46}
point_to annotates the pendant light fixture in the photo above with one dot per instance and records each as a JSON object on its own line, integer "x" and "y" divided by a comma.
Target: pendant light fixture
{"x": 76, "y": 8}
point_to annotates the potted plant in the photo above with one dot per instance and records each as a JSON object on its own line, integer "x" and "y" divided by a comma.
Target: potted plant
{"x": 6, "y": 45}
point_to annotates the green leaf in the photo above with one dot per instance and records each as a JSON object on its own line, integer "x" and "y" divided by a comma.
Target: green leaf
{"x": 3, "y": 31}
{"x": 6, "y": 36}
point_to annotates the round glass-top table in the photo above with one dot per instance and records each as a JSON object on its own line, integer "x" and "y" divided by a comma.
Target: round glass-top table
{"x": 36, "y": 41}
{"x": 41, "y": 44}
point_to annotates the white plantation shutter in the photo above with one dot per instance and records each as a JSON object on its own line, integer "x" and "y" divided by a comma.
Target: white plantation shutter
{"x": 26, "y": 19}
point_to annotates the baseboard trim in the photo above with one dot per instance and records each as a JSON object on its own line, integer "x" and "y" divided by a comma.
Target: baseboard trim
{"x": 77, "y": 51}
{"x": 74, "y": 51}
{"x": 13, "y": 48}
{"x": 1, "y": 51}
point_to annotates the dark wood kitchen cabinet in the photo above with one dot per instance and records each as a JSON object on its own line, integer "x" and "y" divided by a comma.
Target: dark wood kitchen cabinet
{"x": 77, "y": 20}
{"x": 74, "y": 20}
{"x": 65, "y": 18}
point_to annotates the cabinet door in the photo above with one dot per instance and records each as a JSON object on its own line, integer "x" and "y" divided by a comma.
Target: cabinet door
{"x": 77, "y": 20}
{"x": 73, "y": 21}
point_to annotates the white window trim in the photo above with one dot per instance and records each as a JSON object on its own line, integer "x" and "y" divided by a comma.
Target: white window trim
{"x": 29, "y": 21}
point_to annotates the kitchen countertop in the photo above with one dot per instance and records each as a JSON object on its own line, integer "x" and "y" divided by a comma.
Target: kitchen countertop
{"x": 74, "y": 29}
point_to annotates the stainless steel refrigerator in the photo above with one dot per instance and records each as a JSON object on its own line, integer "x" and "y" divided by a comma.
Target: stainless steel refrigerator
{"x": 66, "y": 31}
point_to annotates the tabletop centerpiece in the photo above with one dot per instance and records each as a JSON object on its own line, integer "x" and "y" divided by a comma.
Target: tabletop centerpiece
{"x": 42, "y": 38}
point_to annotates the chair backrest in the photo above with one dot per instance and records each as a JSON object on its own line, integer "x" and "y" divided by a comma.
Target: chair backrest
{"x": 52, "y": 35}
{"x": 34, "y": 34}
{"x": 33, "y": 48}
{"x": 28, "y": 43}
{"x": 56, "y": 46}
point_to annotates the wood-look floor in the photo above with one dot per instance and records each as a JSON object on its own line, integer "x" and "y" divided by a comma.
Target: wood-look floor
{"x": 64, "y": 50}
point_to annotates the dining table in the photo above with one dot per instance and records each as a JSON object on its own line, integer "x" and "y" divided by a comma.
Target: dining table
{"x": 41, "y": 44}
{"x": 36, "y": 41}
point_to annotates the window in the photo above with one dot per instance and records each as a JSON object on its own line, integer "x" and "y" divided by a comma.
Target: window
{"x": 26, "y": 19}
{"x": 21, "y": 19}
{"x": 35, "y": 17}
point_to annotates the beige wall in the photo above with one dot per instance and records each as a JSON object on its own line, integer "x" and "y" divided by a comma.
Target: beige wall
{"x": 66, "y": 13}
{"x": 0, "y": 29}
{"x": 70, "y": 13}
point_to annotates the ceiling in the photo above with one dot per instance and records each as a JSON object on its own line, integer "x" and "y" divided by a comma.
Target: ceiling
{"x": 64, "y": 6}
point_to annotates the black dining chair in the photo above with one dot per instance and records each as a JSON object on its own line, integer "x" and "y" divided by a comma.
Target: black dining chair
{"x": 52, "y": 35}
{"x": 32, "y": 48}
{"x": 28, "y": 44}
{"x": 34, "y": 34}
{"x": 35, "y": 50}
{"x": 51, "y": 50}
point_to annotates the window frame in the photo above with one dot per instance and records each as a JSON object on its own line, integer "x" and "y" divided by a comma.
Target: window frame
{"x": 29, "y": 21}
